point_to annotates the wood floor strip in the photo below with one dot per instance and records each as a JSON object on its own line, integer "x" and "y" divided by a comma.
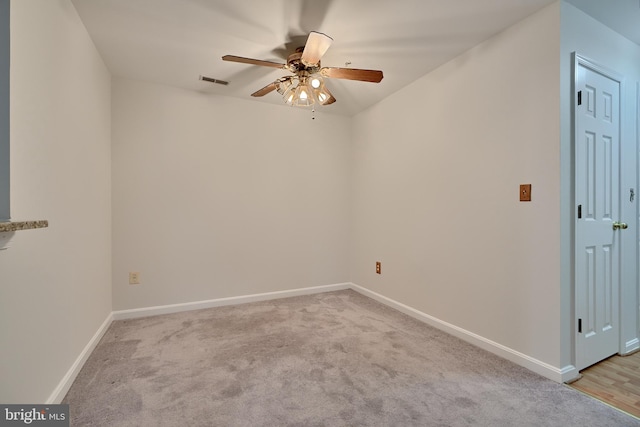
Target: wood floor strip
{"x": 615, "y": 381}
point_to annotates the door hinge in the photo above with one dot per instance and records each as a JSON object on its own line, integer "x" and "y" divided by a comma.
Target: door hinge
{"x": 579, "y": 326}
{"x": 579, "y": 211}
{"x": 579, "y": 97}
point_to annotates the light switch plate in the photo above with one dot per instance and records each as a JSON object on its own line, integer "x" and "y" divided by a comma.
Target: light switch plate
{"x": 525, "y": 192}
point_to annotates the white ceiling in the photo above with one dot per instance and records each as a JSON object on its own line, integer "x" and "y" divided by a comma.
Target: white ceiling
{"x": 621, "y": 15}
{"x": 173, "y": 42}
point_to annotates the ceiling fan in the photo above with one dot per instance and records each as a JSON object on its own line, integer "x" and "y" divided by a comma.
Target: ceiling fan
{"x": 306, "y": 85}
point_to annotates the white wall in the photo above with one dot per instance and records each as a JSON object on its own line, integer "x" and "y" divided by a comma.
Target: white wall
{"x": 589, "y": 38}
{"x": 437, "y": 169}
{"x": 5, "y": 211}
{"x": 216, "y": 197}
{"x": 55, "y": 283}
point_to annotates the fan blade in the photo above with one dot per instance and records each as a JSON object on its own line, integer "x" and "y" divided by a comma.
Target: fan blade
{"x": 331, "y": 99}
{"x": 265, "y": 90}
{"x": 242, "y": 60}
{"x": 316, "y": 46}
{"x": 373, "y": 76}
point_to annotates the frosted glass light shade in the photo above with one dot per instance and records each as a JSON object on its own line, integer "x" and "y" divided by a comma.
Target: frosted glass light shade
{"x": 303, "y": 95}
{"x": 282, "y": 86}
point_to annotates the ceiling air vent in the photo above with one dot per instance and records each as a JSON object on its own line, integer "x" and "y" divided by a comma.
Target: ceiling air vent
{"x": 212, "y": 80}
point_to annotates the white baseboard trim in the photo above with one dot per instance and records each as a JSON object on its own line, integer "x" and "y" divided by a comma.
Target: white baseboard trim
{"x": 631, "y": 347}
{"x": 556, "y": 374}
{"x": 197, "y": 305}
{"x": 569, "y": 374}
{"x": 537, "y": 366}
{"x": 65, "y": 384}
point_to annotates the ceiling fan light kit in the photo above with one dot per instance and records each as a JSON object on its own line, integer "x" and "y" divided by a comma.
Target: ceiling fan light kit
{"x": 306, "y": 86}
{"x": 303, "y": 91}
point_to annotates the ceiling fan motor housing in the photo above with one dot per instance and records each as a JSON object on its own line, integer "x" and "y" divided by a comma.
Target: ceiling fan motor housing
{"x": 295, "y": 64}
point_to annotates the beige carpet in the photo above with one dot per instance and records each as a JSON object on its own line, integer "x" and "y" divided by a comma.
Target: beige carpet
{"x": 332, "y": 359}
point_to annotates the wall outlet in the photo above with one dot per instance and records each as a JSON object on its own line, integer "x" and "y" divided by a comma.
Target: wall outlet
{"x": 378, "y": 267}
{"x": 134, "y": 278}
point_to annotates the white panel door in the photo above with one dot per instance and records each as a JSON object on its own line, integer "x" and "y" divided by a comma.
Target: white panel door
{"x": 597, "y": 154}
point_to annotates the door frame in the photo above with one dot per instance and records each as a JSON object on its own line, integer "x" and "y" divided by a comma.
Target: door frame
{"x": 580, "y": 60}
{"x": 636, "y": 222}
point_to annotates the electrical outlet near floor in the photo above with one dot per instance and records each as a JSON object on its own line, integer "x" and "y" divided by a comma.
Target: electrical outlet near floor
{"x": 134, "y": 278}
{"x": 378, "y": 267}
